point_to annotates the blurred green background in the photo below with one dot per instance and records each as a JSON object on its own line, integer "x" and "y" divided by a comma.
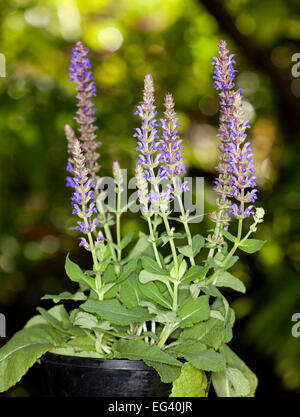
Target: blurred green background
{"x": 175, "y": 40}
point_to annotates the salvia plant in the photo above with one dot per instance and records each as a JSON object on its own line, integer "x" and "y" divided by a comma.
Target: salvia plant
{"x": 167, "y": 310}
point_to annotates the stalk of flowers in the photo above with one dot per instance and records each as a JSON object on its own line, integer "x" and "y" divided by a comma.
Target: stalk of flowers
{"x": 80, "y": 73}
{"x": 224, "y": 76}
{"x": 149, "y": 146}
{"x": 83, "y": 199}
{"x": 172, "y": 159}
{"x": 236, "y": 165}
{"x": 82, "y": 76}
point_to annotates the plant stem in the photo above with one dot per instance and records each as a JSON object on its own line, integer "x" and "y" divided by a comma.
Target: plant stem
{"x": 153, "y": 242}
{"x": 118, "y": 225}
{"x": 185, "y": 223}
{"x": 171, "y": 240}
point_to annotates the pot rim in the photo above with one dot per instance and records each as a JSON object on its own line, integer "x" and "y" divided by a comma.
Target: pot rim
{"x": 87, "y": 362}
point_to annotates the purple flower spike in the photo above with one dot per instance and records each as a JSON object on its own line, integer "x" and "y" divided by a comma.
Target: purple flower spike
{"x": 81, "y": 74}
{"x": 83, "y": 196}
{"x": 236, "y": 164}
{"x": 147, "y": 134}
{"x": 171, "y": 146}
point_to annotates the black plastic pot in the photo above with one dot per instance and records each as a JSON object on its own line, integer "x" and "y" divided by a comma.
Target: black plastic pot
{"x": 74, "y": 376}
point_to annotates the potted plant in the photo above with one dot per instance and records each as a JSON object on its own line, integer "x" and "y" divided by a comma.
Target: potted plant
{"x": 148, "y": 312}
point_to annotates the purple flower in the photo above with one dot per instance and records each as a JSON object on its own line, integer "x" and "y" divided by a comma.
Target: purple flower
{"x": 81, "y": 74}
{"x": 236, "y": 177}
{"x": 82, "y": 199}
{"x": 147, "y": 134}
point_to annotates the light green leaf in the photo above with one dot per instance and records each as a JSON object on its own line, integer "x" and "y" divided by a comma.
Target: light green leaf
{"x": 146, "y": 276}
{"x": 151, "y": 292}
{"x": 191, "y": 382}
{"x": 142, "y": 245}
{"x": 167, "y": 373}
{"x": 198, "y": 243}
{"x": 252, "y": 245}
{"x": 78, "y": 296}
{"x": 233, "y": 361}
{"x": 127, "y": 239}
{"x": 196, "y": 272}
{"x": 194, "y": 310}
{"x": 186, "y": 251}
{"x": 23, "y": 350}
{"x": 129, "y": 292}
{"x": 128, "y": 270}
{"x": 76, "y": 274}
{"x": 207, "y": 360}
{"x": 212, "y": 332}
{"x": 139, "y": 350}
{"x": 115, "y": 312}
{"x": 225, "y": 279}
{"x": 230, "y": 383}
{"x": 150, "y": 265}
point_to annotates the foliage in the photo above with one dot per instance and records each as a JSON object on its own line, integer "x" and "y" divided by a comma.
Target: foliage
{"x": 36, "y": 91}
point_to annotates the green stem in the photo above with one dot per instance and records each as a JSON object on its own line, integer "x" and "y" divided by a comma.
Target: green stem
{"x": 186, "y": 227}
{"x": 153, "y": 242}
{"x": 173, "y": 249}
{"x": 118, "y": 226}
{"x": 231, "y": 253}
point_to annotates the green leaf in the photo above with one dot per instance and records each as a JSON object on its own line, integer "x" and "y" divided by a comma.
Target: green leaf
{"x": 76, "y": 274}
{"x": 198, "y": 242}
{"x": 233, "y": 361}
{"x": 151, "y": 292}
{"x": 78, "y": 296}
{"x": 129, "y": 292}
{"x": 150, "y": 265}
{"x": 127, "y": 270}
{"x": 127, "y": 239}
{"x": 230, "y": 383}
{"x": 167, "y": 373}
{"x": 146, "y": 276}
{"x": 228, "y": 235}
{"x": 189, "y": 346}
{"x": 139, "y": 350}
{"x": 225, "y": 279}
{"x": 23, "y": 350}
{"x": 212, "y": 332}
{"x": 252, "y": 245}
{"x": 191, "y": 382}
{"x": 115, "y": 312}
{"x": 207, "y": 360}
{"x": 142, "y": 245}
{"x": 195, "y": 272}
{"x": 186, "y": 251}
{"x": 194, "y": 311}
{"x": 109, "y": 274}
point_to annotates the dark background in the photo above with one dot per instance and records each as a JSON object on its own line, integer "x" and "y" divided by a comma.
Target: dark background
{"x": 175, "y": 40}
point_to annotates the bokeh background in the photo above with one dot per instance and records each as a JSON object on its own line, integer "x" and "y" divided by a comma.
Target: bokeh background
{"x": 175, "y": 40}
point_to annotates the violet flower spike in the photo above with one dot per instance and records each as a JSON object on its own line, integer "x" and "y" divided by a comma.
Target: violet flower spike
{"x": 236, "y": 164}
{"x": 147, "y": 134}
{"x": 81, "y": 74}
{"x": 171, "y": 147}
{"x": 83, "y": 197}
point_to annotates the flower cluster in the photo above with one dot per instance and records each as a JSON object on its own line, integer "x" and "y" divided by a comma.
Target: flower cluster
{"x": 147, "y": 135}
{"x": 159, "y": 157}
{"x": 82, "y": 76}
{"x": 171, "y": 147}
{"x": 83, "y": 196}
{"x": 236, "y": 165}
